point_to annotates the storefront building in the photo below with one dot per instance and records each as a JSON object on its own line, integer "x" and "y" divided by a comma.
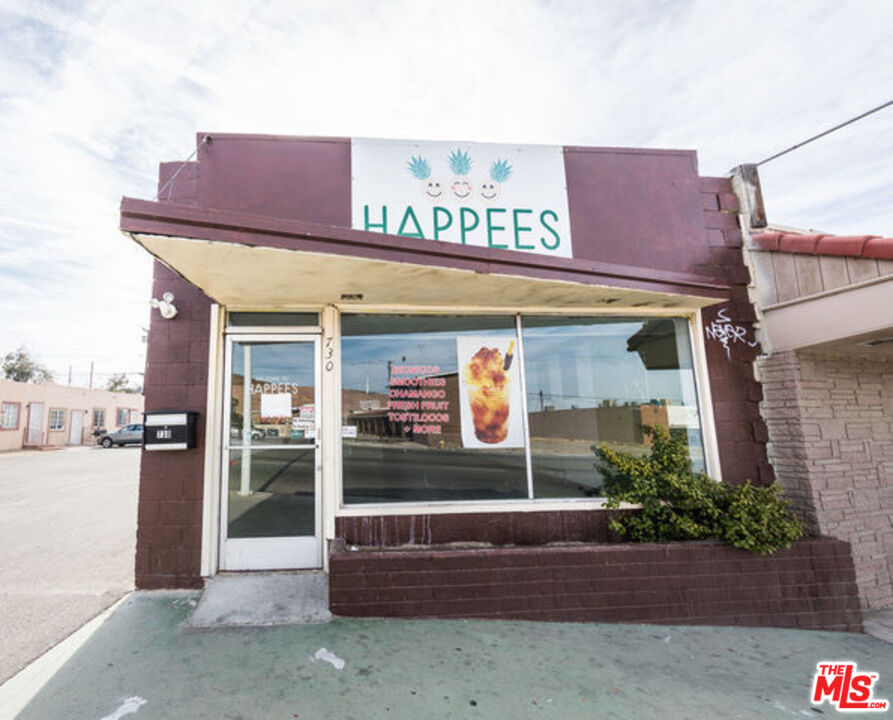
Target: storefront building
{"x": 401, "y": 355}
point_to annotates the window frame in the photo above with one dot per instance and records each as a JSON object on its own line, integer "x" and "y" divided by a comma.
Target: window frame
{"x": 693, "y": 321}
{"x": 94, "y": 411}
{"x": 18, "y": 407}
{"x": 118, "y": 422}
{"x": 62, "y": 414}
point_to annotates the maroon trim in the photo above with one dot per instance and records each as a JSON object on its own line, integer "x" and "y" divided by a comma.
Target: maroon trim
{"x": 499, "y": 528}
{"x": 142, "y": 216}
{"x": 18, "y": 415}
{"x": 199, "y": 136}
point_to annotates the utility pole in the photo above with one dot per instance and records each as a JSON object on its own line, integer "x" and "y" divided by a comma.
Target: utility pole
{"x": 69, "y": 374}
{"x": 91, "y": 374}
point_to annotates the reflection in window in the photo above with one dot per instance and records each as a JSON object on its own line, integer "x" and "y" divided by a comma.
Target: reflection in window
{"x": 271, "y": 492}
{"x": 272, "y": 438}
{"x": 431, "y": 409}
{"x": 603, "y": 380}
{"x": 280, "y": 396}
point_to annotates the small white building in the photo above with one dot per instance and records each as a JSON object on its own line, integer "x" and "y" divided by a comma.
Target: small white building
{"x": 48, "y": 414}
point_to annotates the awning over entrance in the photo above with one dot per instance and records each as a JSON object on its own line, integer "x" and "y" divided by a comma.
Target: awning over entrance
{"x": 258, "y": 262}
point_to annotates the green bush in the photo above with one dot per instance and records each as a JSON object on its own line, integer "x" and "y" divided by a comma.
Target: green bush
{"x": 679, "y": 504}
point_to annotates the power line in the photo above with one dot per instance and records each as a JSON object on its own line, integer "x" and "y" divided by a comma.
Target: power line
{"x": 826, "y": 132}
{"x": 205, "y": 139}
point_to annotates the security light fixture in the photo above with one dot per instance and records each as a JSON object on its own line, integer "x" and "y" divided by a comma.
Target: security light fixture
{"x": 165, "y": 306}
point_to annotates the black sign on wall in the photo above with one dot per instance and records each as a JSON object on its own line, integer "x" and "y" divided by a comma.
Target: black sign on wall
{"x": 169, "y": 430}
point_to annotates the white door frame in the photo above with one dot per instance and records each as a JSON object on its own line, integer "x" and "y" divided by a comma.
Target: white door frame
{"x": 76, "y": 429}
{"x": 273, "y": 553}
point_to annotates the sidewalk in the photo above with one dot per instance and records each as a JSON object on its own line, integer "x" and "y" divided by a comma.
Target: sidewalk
{"x": 140, "y": 663}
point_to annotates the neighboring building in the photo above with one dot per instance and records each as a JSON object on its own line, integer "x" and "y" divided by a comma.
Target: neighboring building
{"x": 407, "y": 345}
{"x": 51, "y": 415}
{"x": 825, "y": 308}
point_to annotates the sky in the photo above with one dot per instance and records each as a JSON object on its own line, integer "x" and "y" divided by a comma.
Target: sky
{"x": 93, "y": 95}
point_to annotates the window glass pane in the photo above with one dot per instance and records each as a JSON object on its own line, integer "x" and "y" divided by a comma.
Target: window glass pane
{"x": 603, "y": 380}
{"x": 280, "y": 397}
{"x": 10, "y": 417}
{"x": 272, "y": 492}
{"x": 57, "y": 419}
{"x": 431, "y": 409}
{"x": 262, "y": 319}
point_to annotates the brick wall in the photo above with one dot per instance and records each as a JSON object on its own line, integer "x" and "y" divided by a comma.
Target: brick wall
{"x": 171, "y": 483}
{"x": 809, "y": 586}
{"x": 740, "y": 431}
{"x": 830, "y": 422}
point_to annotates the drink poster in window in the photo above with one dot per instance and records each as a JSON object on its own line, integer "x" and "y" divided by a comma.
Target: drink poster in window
{"x": 490, "y": 399}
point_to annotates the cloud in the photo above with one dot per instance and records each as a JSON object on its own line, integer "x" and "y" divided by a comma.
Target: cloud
{"x": 95, "y": 94}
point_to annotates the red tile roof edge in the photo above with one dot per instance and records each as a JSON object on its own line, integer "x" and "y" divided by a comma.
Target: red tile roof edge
{"x": 858, "y": 246}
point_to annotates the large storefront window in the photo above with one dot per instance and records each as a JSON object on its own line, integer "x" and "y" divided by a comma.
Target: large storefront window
{"x": 594, "y": 381}
{"x": 433, "y": 407}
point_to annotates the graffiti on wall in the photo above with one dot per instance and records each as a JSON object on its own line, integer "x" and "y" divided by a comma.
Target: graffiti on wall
{"x": 727, "y": 333}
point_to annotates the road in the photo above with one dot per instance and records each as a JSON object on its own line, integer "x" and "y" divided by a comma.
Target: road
{"x": 67, "y": 543}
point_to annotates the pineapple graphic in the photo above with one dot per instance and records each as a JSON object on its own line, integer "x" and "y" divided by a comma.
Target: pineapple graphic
{"x": 499, "y": 173}
{"x": 421, "y": 169}
{"x": 460, "y": 163}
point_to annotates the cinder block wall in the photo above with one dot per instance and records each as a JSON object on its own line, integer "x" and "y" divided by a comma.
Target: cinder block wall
{"x": 169, "y": 515}
{"x": 830, "y": 422}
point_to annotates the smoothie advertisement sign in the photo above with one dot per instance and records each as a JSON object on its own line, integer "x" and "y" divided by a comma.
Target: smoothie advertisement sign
{"x": 490, "y": 398}
{"x": 508, "y": 197}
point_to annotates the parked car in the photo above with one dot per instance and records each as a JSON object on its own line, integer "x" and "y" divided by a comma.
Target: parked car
{"x": 235, "y": 433}
{"x": 128, "y": 435}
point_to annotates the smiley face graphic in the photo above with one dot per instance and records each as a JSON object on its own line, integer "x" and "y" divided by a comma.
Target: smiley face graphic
{"x": 489, "y": 190}
{"x": 461, "y": 188}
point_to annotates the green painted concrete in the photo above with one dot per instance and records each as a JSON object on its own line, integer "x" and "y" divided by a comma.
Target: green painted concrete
{"x": 443, "y": 669}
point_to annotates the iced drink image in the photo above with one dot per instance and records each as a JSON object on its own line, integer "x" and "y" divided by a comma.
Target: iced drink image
{"x": 487, "y": 383}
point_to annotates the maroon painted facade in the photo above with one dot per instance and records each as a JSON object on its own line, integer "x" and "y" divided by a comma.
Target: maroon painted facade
{"x": 640, "y": 219}
{"x": 740, "y": 430}
{"x": 169, "y": 514}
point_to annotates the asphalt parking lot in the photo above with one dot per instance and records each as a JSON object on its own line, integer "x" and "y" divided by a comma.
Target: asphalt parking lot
{"x": 67, "y": 543}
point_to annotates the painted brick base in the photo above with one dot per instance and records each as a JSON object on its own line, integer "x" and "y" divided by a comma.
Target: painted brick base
{"x": 812, "y": 585}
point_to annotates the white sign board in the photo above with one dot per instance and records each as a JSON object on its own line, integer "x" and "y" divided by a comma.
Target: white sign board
{"x": 490, "y": 403}
{"x": 307, "y": 413}
{"x": 274, "y": 406}
{"x": 507, "y": 197}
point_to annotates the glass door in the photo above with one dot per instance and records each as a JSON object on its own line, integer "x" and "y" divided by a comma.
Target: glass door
{"x": 271, "y": 457}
